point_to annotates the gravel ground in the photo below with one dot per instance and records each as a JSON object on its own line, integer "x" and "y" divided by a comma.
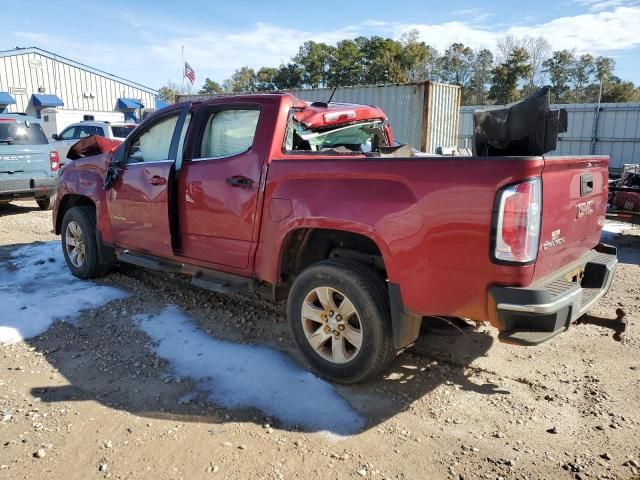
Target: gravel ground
{"x": 89, "y": 399}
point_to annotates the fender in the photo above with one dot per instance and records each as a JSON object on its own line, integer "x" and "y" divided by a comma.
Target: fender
{"x": 342, "y": 204}
{"x": 84, "y": 177}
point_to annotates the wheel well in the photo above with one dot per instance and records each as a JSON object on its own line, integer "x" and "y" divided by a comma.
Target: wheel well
{"x": 69, "y": 201}
{"x": 304, "y": 247}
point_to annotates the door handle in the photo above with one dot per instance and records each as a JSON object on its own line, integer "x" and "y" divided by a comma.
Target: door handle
{"x": 157, "y": 180}
{"x": 239, "y": 181}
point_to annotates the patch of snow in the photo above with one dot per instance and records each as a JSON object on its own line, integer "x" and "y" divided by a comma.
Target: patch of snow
{"x": 241, "y": 376}
{"x": 611, "y": 230}
{"x": 616, "y": 227}
{"x": 37, "y": 288}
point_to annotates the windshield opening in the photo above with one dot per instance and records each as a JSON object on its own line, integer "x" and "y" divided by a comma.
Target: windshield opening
{"x": 362, "y": 137}
{"x": 21, "y": 133}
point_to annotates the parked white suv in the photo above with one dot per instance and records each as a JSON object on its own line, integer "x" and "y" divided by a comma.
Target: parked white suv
{"x": 77, "y": 131}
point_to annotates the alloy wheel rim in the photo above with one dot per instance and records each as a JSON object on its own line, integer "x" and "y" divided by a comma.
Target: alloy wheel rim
{"x": 332, "y": 325}
{"x": 75, "y": 244}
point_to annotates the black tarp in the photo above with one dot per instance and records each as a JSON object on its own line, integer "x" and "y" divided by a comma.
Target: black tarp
{"x": 527, "y": 127}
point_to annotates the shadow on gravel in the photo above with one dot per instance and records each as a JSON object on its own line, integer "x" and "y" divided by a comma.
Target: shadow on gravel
{"x": 7, "y": 209}
{"x": 103, "y": 363}
{"x": 619, "y": 325}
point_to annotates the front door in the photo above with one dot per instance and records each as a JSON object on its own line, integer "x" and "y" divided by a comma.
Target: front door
{"x": 138, "y": 200}
{"x": 218, "y": 188}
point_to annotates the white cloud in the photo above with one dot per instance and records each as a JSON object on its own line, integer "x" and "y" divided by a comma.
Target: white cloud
{"x": 473, "y": 14}
{"x": 598, "y": 33}
{"x": 599, "y": 5}
{"x": 595, "y": 32}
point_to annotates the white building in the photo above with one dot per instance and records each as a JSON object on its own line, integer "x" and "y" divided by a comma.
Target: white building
{"x": 32, "y": 79}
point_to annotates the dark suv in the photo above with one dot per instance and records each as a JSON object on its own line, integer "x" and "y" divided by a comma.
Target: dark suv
{"x": 28, "y": 166}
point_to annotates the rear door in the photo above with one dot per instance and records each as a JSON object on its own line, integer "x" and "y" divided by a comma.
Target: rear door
{"x": 138, "y": 202}
{"x": 218, "y": 188}
{"x": 574, "y": 203}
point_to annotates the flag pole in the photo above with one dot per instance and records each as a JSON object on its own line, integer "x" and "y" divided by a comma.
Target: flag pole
{"x": 183, "y": 67}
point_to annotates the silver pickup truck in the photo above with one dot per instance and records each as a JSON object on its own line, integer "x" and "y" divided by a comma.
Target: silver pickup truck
{"x": 28, "y": 164}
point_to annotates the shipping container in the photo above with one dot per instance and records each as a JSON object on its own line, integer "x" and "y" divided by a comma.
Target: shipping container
{"x": 424, "y": 115}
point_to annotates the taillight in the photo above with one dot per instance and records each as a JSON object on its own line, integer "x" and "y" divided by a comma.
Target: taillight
{"x": 54, "y": 159}
{"x": 517, "y": 225}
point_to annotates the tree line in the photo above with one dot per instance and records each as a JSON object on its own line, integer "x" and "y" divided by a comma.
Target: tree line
{"x": 515, "y": 69}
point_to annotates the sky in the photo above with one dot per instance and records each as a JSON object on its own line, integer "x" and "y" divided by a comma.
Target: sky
{"x": 142, "y": 40}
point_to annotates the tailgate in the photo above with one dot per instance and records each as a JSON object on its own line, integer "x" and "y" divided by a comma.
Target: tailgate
{"x": 17, "y": 161}
{"x": 574, "y": 203}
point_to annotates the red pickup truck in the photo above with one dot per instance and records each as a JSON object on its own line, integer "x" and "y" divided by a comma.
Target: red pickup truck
{"x": 313, "y": 203}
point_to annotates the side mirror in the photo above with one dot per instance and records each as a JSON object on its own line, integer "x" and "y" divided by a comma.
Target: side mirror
{"x": 118, "y": 156}
{"x": 55, "y": 136}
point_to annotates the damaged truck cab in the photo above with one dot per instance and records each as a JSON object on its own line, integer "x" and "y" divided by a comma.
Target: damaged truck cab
{"x": 312, "y": 203}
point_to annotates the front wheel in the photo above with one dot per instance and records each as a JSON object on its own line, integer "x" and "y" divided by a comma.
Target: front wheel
{"x": 79, "y": 243}
{"x": 339, "y": 315}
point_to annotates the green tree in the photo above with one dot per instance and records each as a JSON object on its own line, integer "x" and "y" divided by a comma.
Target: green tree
{"x": 167, "y": 94}
{"x": 418, "y": 60}
{"x": 604, "y": 68}
{"x": 345, "y": 66}
{"x": 582, "y": 75}
{"x": 456, "y": 64}
{"x": 210, "y": 87}
{"x": 266, "y": 79}
{"x": 242, "y": 80}
{"x": 314, "y": 59}
{"x": 481, "y": 68}
{"x": 620, "y": 91}
{"x": 288, "y": 76}
{"x": 507, "y": 75}
{"x": 382, "y": 60}
{"x": 169, "y": 91}
{"x": 537, "y": 48}
{"x": 560, "y": 68}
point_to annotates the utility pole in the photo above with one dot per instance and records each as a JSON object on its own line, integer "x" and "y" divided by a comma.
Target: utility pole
{"x": 596, "y": 117}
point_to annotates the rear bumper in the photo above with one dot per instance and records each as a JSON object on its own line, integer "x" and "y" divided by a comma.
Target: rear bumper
{"x": 532, "y": 315}
{"x": 28, "y": 188}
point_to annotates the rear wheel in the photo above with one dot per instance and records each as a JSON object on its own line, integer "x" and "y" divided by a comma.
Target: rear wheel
{"x": 46, "y": 203}
{"x": 339, "y": 315}
{"x": 79, "y": 243}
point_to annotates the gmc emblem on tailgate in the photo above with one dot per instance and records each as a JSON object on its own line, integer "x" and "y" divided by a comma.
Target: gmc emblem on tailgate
{"x": 556, "y": 240}
{"x": 584, "y": 209}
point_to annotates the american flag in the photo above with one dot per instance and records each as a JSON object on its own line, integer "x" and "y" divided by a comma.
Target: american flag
{"x": 189, "y": 73}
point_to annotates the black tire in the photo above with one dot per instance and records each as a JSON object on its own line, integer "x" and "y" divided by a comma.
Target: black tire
{"x": 46, "y": 203}
{"x": 85, "y": 218}
{"x": 368, "y": 292}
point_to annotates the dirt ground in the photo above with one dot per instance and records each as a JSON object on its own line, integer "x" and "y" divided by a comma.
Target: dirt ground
{"x": 93, "y": 399}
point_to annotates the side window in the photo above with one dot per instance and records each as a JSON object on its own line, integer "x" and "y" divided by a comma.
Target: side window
{"x": 68, "y": 134}
{"x": 229, "y": 132}
{"x": 87, "y": 130}
{"x": 154, "y": 143}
